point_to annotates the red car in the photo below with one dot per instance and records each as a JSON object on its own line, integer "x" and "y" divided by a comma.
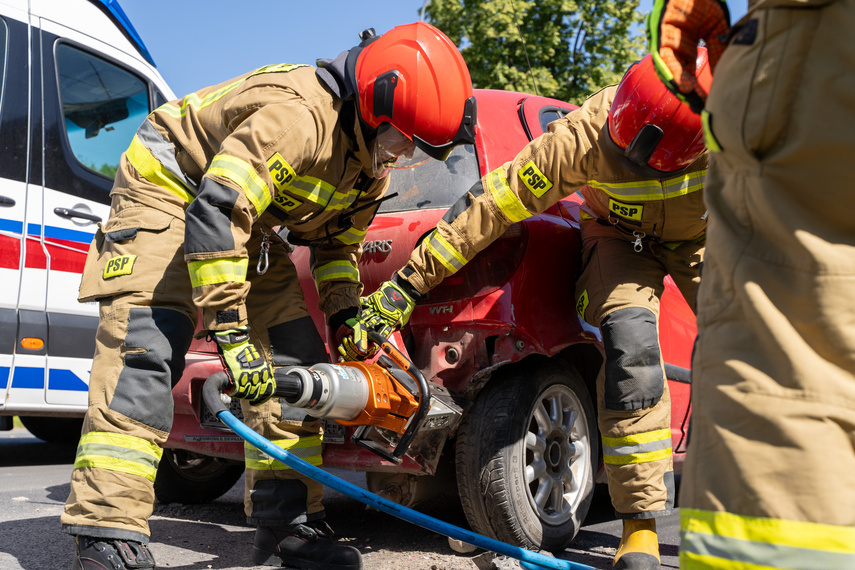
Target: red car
{"x": 501, "y": 337}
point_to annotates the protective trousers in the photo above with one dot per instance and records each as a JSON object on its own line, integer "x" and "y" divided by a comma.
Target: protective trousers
{"x": 769, "y": 478}
{"x": 136, "y": 269}
{"x": 619, "y": 291}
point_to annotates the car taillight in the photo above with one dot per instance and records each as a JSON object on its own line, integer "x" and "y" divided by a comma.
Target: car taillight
{"x": 488, "y": 271}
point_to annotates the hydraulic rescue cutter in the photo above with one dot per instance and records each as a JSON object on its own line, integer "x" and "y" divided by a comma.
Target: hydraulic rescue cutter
{"x": 394, "y": 409}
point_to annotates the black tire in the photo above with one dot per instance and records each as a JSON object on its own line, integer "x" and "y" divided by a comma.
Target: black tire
{"x": 54, "y": 430}
{"x": 538, "y": 423}
{"x": 191, "y": 478}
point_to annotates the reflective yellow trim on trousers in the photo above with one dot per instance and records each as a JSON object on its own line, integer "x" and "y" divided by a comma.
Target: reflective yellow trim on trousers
{"x": 306, "y": 448}
{"x": 152, "y": 170}
{"x": 508, "y": 202}
{"x": 725, "y": 540}
{"x": 637, "y": 448}
{"x": 118, "y": 452}
{"x": 241, "y": 173}
{"x": 213, "y": 271}
{"x": 336, "y": 270}
{"x": 352, "y": 236}
{"x": 444, "y": 252}
{"x": 198, "y": 103}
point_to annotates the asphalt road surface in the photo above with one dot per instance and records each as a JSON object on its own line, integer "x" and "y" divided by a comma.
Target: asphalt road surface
{"x": 34, "y": 479}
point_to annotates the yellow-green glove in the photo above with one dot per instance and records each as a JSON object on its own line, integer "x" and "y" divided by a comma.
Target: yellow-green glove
{"x": 247, "y": 368}
{"x": 387, "y": 309}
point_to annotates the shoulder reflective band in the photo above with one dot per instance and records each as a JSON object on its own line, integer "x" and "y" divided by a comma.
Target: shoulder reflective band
{"x": 637, "y": 448}
{"x": 504, "y": 197}
{"x": 214, "y": 271}
{"x": 152, "y": 170}
{"x": 336, "y": 270}
{"x": 194, "y": 101}
{"x": 118, "y": 452}
{"x": 444, "y": 252}
{"x": 306, "y": 448}
{"x": 244, "y": 175}
{"x": 725, "y": 540}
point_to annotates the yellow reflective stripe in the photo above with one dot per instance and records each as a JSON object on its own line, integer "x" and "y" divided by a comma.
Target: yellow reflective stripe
{"x": 637, "y": 448}
{"x": 213, "y": 271}
{"x": 312, "y": 189}
{"x": 685, "y": 184}
{"x": 152, "y": 170}
{"x": 505, "y": 199}
{"x": 444, "y": 252}
{"x": 341, "y": 201}
{"x": 336, "y": 270}
{"x": 118, "y": 452}
{"x": 244, "y": 175}
{"x": 352, "y": 236}
{"x": 198, "y": 103}
{"x": 709, "y": 137}
{"x": 306, "y": 448}
{"x": 725, "y": 540}
{"x": 652, "y": 190}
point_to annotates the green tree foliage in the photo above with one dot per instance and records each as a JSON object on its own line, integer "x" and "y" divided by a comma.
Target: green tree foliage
{"x": 574, "y": 48}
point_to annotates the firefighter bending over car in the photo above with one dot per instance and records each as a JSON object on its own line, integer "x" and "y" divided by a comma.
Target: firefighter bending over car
{"x": 637, "y": 155}
{"x": 205, "y": 180}
{"x": 769, "y": 477}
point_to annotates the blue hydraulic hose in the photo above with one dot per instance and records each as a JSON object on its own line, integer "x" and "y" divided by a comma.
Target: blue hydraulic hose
{"x": 528, "y": 559}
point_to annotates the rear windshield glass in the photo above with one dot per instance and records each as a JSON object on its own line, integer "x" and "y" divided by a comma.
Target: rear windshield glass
{"x": 434, "y": 184}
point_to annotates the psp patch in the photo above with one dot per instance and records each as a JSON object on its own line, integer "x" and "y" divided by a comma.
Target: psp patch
{"x": 582, "y": 303}
{"x": 286, "y": 202}
{"x": 280, "y": 171}
{"x": 628, "y": 211}
{"x": 534, "y": 179}
{"x": 119, "y": 265}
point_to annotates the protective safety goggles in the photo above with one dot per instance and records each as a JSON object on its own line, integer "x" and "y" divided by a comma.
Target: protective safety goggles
{"x": 393, "y": 150}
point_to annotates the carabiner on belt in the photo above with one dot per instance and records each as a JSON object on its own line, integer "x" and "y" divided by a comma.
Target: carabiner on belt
{"x": 637, "y": 245}
{"x": 262, "y": 265}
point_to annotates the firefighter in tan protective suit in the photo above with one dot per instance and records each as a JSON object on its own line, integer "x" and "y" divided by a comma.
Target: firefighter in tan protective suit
{"x": 194, "y": 205}
{"x": 638, "y": 156}
{"x": 769, "y": 478}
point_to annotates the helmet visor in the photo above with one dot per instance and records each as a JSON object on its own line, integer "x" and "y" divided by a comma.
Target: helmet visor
{"x": 393, "y": 150}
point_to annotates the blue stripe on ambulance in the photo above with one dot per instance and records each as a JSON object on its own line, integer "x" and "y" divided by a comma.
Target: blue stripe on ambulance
{"x": 34, "y": 379}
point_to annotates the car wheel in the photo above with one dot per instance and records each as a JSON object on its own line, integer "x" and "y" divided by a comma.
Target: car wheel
{"x": 191, "y": 478}
{"x": 526, "y": 457}
{"x": 54, "y": 430}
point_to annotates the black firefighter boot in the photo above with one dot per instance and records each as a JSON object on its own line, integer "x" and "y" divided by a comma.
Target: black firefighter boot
{"x": 111, "y": 554}
{"x": 308, "y": 545}
{"x": 639, "y": 546}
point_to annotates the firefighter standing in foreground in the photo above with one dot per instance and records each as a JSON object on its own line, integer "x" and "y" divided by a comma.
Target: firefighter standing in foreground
{"x": 198, "y": 192}
{"x": 638, "y": 156}
{"x": 769, "y": 478}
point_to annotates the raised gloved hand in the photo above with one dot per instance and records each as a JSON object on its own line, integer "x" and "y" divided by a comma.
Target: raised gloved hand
{"x": 247, "y": 368}
{"x": 674, "y": 29}
{"x": 383, "y": 311}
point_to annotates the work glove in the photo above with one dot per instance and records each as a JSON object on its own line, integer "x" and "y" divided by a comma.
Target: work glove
{"x": 246, "y": 367}
{"x": 674, "y": 29}
{"x": 387, "y": 309}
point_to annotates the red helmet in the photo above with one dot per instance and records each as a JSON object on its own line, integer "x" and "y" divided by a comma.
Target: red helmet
{"x": 652, "y": 129}
{"x": 414, "y": 78}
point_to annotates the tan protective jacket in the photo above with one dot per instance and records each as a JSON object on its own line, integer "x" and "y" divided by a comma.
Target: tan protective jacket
{"x": 273, "y": 147}
{"x": 572, "y": 155}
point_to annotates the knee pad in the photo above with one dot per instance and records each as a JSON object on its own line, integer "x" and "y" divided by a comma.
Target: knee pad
{"x": 297, "y": 343}
{"x": 634, "y": 375}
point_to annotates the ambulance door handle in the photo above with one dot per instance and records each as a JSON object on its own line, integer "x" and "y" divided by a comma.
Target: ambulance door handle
{"x": 68, "y": 214}
{"x": 6, "y": 202}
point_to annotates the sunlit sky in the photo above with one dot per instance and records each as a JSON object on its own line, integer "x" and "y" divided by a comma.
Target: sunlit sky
{"x": 196, "y": 43}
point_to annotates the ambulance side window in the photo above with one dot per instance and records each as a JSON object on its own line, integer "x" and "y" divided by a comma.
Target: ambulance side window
{"x": 102, "y": 107}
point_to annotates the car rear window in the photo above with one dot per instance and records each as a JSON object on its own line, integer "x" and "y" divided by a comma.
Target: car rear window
{"x": 434, "y": 184}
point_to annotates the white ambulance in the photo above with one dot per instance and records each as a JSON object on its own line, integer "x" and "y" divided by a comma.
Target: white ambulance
{"x": 75, "y": 83}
